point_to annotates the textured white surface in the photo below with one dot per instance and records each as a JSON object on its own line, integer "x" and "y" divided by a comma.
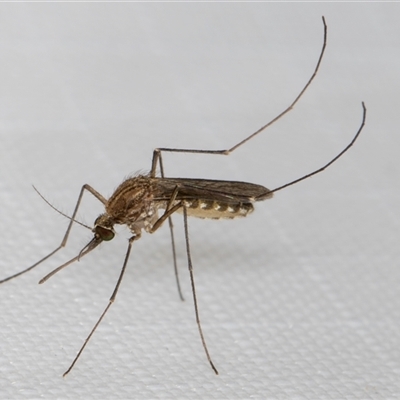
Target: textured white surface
{"x": 301, "y": 300}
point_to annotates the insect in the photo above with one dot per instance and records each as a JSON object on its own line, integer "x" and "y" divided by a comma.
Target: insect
{"x": 145, "y": 202}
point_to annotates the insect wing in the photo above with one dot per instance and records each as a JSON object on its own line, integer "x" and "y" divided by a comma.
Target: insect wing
{"x": 208, "y": 189}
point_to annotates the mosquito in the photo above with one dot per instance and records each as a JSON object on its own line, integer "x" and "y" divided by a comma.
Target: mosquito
{"x": 145, "y": 202}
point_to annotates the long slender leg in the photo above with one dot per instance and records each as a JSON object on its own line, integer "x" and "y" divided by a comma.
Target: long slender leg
{"x": 171, "y": 229}
{"x": 333, "y": 159}
{"x": 178, "y": 284}
{"x": 157, "y": 152}
{"x": 157, "y": 157}
{"x": 196, "y": 309}
{"x": 110, "y": 302}
{"x": 65, "y": 238}
{"x": 167, "y": 214}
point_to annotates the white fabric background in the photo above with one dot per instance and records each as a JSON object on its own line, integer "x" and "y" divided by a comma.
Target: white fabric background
{"x": 300, "y": 300}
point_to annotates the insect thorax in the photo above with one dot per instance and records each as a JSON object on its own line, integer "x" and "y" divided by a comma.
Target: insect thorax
{"x": 131, "y": 201}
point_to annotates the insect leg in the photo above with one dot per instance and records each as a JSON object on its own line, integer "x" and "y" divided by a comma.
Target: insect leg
{"x": 65, "y": 238}
{"x": 157, "y": 152}
{"x": 166, "y": 215}
{"x": 196, "y": 309}
{"x": 158, "y": 159}
{"x": 168, "y": 212}
{"x": 333, "y": 159}
{"x": 110, "y": 302}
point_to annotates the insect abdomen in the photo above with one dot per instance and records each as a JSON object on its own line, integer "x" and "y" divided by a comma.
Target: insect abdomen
{"x": 215, "y": 209}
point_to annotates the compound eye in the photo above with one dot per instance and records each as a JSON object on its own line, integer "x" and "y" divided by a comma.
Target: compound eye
{"x": 104, "y": 233}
